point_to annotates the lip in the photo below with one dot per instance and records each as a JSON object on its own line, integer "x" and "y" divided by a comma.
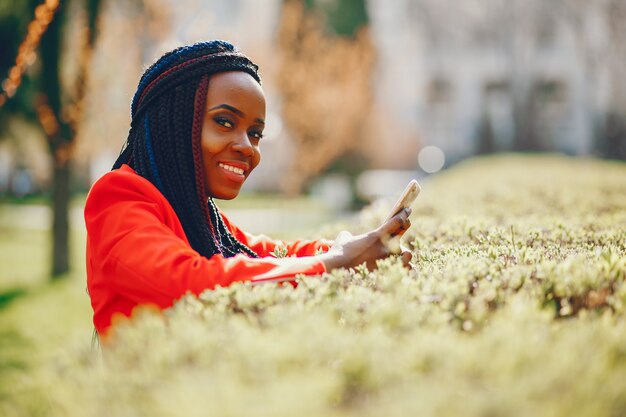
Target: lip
{"x": 237, "y": 164}
{"x": 232, "y": 176}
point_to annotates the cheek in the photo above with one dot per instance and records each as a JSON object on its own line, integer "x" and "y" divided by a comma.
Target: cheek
{"x": 211, "y": 143}
{"x": 205, "y": 142}
{"x": 256, "y": 159}
{"x": 207, "y": 150}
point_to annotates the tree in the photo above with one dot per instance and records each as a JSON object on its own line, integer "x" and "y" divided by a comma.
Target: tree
{"x": 57, "y": 114}
{"x": 325, "y": 80}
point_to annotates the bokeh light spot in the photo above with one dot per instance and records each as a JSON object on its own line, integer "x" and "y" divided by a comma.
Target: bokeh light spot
{"x": 431, "y": 159}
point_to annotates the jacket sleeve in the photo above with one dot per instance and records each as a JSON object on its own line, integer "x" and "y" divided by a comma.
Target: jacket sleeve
{"x": 132, "y": 241}
{"x": 264, "y": 246}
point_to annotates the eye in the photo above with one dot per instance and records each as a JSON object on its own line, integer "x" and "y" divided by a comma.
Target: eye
{"x": 224, "y": 122}
{"x": 256, "y": 134}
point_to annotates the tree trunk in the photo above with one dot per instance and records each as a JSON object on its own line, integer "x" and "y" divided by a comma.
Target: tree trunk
{"x": 60, "y": 217}
{"x": 60, "y": 135}
{"x": 61, "y": 132}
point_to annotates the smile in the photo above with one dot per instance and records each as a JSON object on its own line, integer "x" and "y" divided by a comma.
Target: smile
{"x": 231, "y": 168}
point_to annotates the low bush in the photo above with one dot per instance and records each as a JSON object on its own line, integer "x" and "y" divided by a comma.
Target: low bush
{"x": 515, "y": 307}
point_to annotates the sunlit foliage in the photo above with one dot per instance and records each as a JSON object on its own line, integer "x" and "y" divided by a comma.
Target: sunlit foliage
{"x": 516, "y": 307}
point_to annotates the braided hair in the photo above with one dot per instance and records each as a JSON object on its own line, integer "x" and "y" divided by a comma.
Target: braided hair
{"x": 164, "y": 141}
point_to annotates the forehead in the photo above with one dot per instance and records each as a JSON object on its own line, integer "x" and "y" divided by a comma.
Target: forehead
{"x": 235, "y": 87}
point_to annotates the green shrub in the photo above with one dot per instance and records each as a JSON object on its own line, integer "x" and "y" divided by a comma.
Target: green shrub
{"x": 516, "y": 307}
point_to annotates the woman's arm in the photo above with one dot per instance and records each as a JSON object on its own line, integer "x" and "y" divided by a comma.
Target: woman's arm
{"x": 345, "y": 251}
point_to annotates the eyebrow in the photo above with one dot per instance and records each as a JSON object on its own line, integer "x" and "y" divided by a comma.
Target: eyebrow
{"x": 234, "y": 110}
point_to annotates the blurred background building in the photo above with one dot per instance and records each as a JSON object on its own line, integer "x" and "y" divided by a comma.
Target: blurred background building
{"x": 354, "y": 85}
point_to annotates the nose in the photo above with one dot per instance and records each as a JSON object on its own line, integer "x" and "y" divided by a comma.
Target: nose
{"x": 243, "y": 145}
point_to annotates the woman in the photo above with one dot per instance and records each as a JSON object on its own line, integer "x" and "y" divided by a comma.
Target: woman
{"x": 153, "y": 230}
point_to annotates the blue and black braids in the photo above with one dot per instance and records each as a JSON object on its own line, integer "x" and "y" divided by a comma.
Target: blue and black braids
{"x": 163, "y": 143}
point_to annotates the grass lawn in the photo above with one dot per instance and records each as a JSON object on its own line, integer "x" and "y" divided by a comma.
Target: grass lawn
{"x": 37, "y": 317}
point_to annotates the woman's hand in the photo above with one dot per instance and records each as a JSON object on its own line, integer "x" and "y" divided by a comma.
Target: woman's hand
{"x": 350, "y": 251}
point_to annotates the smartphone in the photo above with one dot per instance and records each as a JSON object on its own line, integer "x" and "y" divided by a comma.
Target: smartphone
{"x": 407, "y": 198}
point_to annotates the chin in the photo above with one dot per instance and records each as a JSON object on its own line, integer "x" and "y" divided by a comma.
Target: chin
{"x": 223, "y": 195}
{"x": 229, "y": 197}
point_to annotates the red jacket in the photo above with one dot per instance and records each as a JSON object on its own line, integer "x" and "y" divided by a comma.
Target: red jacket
{"x": 137, "y": 251}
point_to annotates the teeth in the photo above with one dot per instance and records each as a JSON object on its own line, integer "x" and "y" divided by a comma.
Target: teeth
{"x": 232, "y": 169}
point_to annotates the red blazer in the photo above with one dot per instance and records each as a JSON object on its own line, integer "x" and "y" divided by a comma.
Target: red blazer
{"x": 137, "y": 251}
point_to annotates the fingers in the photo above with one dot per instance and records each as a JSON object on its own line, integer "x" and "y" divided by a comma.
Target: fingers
{"x": 403, "y": 228}
{"x": 398, "y": 224}
{"x": 406, "y": 257}
{"x": 349, "y": 250}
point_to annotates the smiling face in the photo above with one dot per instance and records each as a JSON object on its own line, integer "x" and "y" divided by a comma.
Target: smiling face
{"x": 231, "y": 131}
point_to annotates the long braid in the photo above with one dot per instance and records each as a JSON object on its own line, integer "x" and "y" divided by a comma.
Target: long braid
{"x": 150, "y": 151}
{"x": 184, "y": 169}
{"x": 228, "y": 240}
{"x": 141, "y": 156}
{"x": 196, "y": 148}
{"x": 167, "y": 157}
{"x": 164, "y": 141}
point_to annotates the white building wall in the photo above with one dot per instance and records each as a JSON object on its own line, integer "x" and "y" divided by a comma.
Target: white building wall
{"x": 399, "y": 81}
{"x": 452, "y": 122}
